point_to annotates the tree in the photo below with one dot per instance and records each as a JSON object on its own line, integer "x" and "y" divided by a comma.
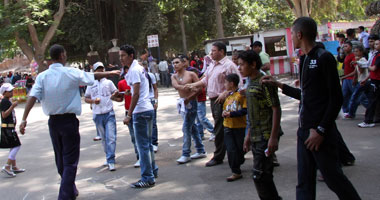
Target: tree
{"x": 30, "y": 24}
{"x": 219, "y": 22}
{"x": 301, "y": 8}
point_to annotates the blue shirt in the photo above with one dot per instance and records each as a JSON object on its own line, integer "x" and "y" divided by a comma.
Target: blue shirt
{"x": 58, "y": 89}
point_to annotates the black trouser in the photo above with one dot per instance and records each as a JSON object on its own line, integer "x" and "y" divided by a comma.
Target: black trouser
{"x": 262, "y": 172}
{"x": 344, "y": 153}
{"x": 373, "y": 94}
{"x": 327, "y": 161}
{"x": 64, "y": 133}
{"x": 220, "y": 147}
{"x": 234, "y": 140}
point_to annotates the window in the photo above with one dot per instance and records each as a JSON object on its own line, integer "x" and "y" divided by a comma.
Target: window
{"x": 275, "y": 46}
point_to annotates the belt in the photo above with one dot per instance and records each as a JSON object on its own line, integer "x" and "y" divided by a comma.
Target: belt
{"x": 3, "y": 125}
{"x": 64, "y": 115}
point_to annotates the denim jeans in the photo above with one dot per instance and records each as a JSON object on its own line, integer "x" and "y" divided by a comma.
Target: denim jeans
{"x": 154, "y": 130}
{"x": 202, "y": 121}
{"x": 358, "y": 97}
{"x": 132, "y": 133}
{"x": 347, "y": 90}
{"x": 327, "y": 161}
{"x": 106, "y": 128}
{"x": 190, "y": 130}
{"x": 142, "y": 125}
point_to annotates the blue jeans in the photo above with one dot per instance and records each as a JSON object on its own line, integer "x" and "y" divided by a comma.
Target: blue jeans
{"x": 132, "y": 133}
{"x": 106, "y": 128}
{"x": 190, "y": 130}
{"x": 358, "y": 97}
{"x": 347, "y": 90}
{"x": 154, "y": 130}
{"x": 202, "y": 121}
{"x": 142, "y": 125}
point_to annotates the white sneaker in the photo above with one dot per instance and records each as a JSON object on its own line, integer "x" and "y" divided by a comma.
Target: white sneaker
{"x": 365, "y": 125}
{"x": 111, "y": 166}
{"x": 137, "y": 164}
{"x": 155, "y": 148}
{"x": 8, "y": 172}
{"x": 198, "y": 155}
{"x": 212, "y": 137}
{"x": 105, "y": 164}
{"x": 183, "y": 160}
{"x": 97, "y": 138}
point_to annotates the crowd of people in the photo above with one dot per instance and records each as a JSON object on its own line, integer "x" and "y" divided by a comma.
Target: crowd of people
{"x": 244, "y": 103}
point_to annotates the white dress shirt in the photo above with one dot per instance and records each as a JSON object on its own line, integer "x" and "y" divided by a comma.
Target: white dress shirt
{"x": 58, "y": 89}
{"x": 103, "y": 90}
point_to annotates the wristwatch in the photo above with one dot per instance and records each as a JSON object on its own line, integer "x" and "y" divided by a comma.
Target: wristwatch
{"x": 321, "y": 131}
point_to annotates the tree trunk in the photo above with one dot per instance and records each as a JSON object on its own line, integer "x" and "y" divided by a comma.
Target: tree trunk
{"x": 182, "y": 24}
{"x": 219, "y": 22}
{"x": 37, "y": 50}
{"x": 300, "y": 8}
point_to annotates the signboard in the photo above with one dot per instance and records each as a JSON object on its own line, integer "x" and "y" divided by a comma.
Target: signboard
{"x": 153, "y": 41}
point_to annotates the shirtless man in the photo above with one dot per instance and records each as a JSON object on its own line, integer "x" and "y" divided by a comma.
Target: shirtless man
{"x": 187, "y": 107}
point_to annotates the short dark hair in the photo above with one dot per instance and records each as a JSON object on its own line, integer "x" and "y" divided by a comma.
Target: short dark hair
{"x": 340, "y": 35}
{"x": 350, "y": 32}
{"x": 234, "y": 78}
{"x": 348, "y": 42}
{"x": 373, "y": 37}
{"x": 55, "y": 51}
{"x": 183, "y": 57}
{"x": 257, "y": 44}
{"x": 360, "y": 48}
{"x": 220, "y": 46}
{"x": 307, "y": 26}
{"x": 320, "y": 45}
{"x": 251, "y": 57}
{"x": 129, "y": 49}
{"x": 361, "y": 28}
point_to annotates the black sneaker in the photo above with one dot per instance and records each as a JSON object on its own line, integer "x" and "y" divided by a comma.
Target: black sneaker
{"x": 142, "y": 184}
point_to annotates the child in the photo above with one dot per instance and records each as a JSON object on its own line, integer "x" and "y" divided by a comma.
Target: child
{"x": 9, "y": 138}
{"x": 234, "y": 111}
{"x": 264, "y": 114}
{"x": 361, "y": 69}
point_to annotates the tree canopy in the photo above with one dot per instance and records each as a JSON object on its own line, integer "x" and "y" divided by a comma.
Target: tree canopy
{"x": 181, "y": 24}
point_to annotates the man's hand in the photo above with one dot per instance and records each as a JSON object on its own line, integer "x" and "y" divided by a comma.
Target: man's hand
{"x": 186, "y": 101}
{"x": 127, "y": 119}
{"x": 272, "y": 145}
{"x": 247, "y": 144}
{"x": 314, "y": 140}
{"x": 189, "y": 86}
{"x": 155, "y": 106}
{"x": 362, "y": 83}
{"x": 14, "y": 104}
{"x": 22, "y": 127}
{"x": 97, "y": 101}
{"x": 222, "y": 97}
{"x": 271, "y": 81}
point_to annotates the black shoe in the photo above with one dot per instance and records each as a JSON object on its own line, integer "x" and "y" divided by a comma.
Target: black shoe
{"x": 213, "y": 162}
{"x": 142, "y": 184}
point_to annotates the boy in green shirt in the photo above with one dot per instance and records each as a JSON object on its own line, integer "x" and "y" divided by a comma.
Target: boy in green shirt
{"x": 264, "y": 115}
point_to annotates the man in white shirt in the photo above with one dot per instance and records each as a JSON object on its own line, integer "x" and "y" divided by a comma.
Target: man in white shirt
{"x": 57, "y": 89}
{"x": 99, "y": 96}
{"x": 363, "y": 37}
{"x": 163, "y": 68}
{"x": 141, "y": 110}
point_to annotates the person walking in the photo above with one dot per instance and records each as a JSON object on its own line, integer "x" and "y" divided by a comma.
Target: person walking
{"x": 62, "y": 108}
{"x": 320, "y": 98}
{"x": 214, "y": 79}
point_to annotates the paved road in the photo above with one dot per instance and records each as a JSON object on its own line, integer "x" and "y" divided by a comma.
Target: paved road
{"x": 189, "y": 181}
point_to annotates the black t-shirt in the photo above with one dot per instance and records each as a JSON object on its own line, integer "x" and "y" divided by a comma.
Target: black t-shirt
{"x": 4, "y": 106}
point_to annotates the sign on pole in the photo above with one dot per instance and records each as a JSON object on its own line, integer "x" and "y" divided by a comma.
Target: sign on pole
{"x": 153, "y": 41}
